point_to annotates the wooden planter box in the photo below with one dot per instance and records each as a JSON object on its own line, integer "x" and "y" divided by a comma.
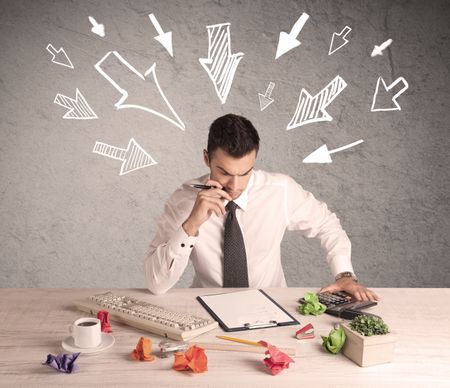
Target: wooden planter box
{"x": 366, "y": 351}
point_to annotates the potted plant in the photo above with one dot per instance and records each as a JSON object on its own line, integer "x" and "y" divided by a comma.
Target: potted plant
{"x": 369, "y": 341}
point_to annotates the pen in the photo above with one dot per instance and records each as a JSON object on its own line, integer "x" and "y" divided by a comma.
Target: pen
{"x": 203, "y": 187}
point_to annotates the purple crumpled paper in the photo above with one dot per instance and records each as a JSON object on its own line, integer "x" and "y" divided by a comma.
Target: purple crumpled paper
{"x": 63, "y": 362}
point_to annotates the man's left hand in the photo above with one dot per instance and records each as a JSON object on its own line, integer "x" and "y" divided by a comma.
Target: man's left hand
{"x": 358, "y": 291}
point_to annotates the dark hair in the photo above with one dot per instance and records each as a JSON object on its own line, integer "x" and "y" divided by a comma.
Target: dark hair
{"x": 235, "y": 134}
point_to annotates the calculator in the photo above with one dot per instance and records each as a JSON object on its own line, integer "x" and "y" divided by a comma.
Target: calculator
{"x": 341, "y": 301}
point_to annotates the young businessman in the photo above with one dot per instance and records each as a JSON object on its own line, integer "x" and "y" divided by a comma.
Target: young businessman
{"x": 232, "y": 230}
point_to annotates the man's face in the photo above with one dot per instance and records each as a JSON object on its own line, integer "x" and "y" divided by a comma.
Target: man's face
{"x": 232, "y": 173}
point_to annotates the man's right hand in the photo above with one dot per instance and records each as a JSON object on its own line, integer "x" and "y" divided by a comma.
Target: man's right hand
{"x": 208, "y": 201}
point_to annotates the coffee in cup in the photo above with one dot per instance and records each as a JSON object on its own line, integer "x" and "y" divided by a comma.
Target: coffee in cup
{"x": 86, "y": 332}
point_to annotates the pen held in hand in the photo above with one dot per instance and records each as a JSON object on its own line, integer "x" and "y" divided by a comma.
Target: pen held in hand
{"x": 203, "y": 187}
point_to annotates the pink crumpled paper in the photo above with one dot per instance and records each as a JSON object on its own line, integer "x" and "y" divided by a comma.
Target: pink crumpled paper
{"x": 104, "y": 320}
{"x": 277, "y": 360}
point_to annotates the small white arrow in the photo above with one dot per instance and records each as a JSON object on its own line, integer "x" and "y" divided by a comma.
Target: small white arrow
{"x": 341, "y": 39}
{"x": 387, "y": 90}
{"x": 133, "y": 157}
{"x": 287, "y": 42}
{"x": 165, "y": 38}
{"x": 378, "y": 50}
{"x": 322, "y": 154}
{"x": 78, "y": 107}
{"x": 59, "y": 56}
{"x": 97, "y": 28}
{"x": 264, "y": 99}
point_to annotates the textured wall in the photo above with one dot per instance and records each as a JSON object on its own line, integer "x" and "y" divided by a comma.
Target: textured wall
{"x": 69, "y": 220}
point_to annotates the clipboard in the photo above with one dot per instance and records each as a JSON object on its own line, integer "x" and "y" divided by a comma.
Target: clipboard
{"x": 246, "y": 310}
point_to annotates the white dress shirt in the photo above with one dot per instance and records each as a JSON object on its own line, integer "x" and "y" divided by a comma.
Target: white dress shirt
{"x": 270, "y": 204}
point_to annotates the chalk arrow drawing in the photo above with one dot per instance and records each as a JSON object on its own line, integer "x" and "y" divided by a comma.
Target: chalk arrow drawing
{"x": 220, "y": 64}
{"x": 288, "y": 41}
{"x": 264, "y": 99}
{"x": 322, "y": 154}
{"x": 378, "y": 50}
{"x": 121, "y": 104}
{"x": 312, "y": 109}
{"x": 165, "y": 38}
{"x": 97, "y": 28}
{"x": 133, "y": 157}
{"x": 338, "y": 40}
{"x": 59, "y": 56}
{"x": 79, "y": 109}
{"x": 387, "y": 90}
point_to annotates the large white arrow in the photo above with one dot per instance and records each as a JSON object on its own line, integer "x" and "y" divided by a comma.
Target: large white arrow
{"x": 121, "y": 104}
{"x": 312, "y": 109}
{"x": 287, "y": 42}
{"x": 165, "y": 38}
{"x": 220, "y": 64}
{"x": 387, "y": 90}
{"x": 338, "y": 40}
{"x": 322, "y": 154}
{"x": 133, "y": 157}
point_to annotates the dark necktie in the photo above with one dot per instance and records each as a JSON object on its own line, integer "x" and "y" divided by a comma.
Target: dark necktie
{"x": 235, "y": 273}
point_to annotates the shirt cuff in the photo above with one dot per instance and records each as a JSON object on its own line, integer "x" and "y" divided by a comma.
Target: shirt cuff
{"x": 181, "y": 244}
{"x": 341, "y": 264}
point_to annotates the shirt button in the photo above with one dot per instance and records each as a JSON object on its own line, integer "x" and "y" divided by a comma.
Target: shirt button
{"x": 182, "y": 245}
{"x": 191, "y": 246}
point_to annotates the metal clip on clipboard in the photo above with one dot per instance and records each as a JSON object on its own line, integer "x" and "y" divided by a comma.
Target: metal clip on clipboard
{"x": 260, "y": 325}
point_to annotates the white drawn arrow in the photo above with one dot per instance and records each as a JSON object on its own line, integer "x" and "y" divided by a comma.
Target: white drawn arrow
{"x": 121, "y": 104}
{"x": 97, "y": 28}
{"x": 59, "y": 56}
{"x": 387, "y": 90}
{"x": 264, "y": 99}
{"x": 287, "y": 42}
{"x": 312, "y": 109}
{"x": 378, "y": 50}
{"x": 133, "y": 157}
{"x": 165, "y": 38}
{"x": 79, "y": 109}
{"x": 322, "y": 154}
{"x": 220, "y": 64}
{"x": 335, "y": 46}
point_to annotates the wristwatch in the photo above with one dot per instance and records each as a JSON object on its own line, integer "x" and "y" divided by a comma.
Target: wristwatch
{"x": 346, "y": 274}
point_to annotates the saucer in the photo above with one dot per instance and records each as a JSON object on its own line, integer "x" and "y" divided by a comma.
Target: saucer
{"x": 107, "y": 341}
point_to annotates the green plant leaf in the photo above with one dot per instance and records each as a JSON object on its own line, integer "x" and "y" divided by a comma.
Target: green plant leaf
{"x": 335, "y": 341}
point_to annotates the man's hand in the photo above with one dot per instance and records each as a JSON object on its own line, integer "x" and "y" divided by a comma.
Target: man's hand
{"x": 208, "y": 201}
{"x": 358, "y": 291}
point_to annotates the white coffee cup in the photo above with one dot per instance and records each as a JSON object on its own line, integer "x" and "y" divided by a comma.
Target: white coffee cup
{"x": 86, "y": 332}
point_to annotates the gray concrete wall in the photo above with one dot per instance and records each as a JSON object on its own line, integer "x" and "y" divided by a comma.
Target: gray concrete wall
{"x": 69, "y": 220}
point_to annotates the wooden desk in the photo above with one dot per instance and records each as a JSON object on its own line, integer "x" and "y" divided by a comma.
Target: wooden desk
{"x": 33, "y": 322}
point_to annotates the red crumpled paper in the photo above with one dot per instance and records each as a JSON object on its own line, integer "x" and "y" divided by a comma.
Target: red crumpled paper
{"x": 143, "y": 350}
{"x": 193, "y": 359}
{"x": 104, "y": 319}
{"x": 277, "y": 360}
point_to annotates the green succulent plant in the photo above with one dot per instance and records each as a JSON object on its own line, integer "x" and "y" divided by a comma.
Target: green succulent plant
{"x": 368, "y": 325}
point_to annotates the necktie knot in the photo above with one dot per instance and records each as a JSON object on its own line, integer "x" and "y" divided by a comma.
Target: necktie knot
{"x": 231, "y": 206}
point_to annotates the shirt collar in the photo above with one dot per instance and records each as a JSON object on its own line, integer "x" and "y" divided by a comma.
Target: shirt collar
{"x": 242, "y": 200}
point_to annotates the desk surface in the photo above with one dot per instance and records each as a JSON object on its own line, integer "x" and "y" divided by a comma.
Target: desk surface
{"x": 33, "y": 322}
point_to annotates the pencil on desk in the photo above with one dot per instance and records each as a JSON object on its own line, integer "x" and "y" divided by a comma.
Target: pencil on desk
{"x": 240, "y": 340}
{"x": 240, "y": 348}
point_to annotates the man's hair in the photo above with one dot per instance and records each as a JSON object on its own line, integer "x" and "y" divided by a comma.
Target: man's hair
{"x": 234, "y": 134}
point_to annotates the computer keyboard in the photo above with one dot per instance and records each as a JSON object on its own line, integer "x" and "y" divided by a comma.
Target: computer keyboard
{"x": 146, "y": 316}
